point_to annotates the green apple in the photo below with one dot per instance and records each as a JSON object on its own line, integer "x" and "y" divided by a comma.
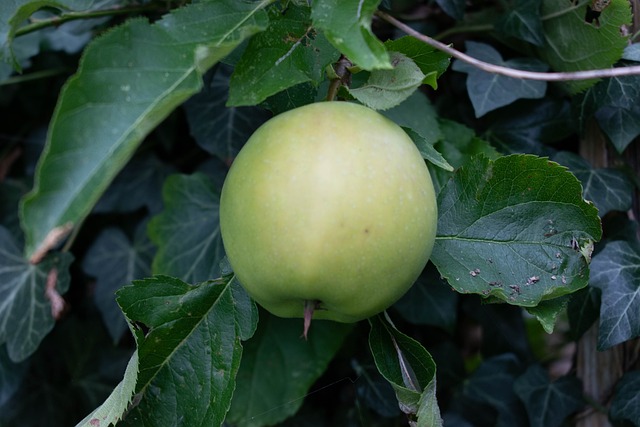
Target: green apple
{"x": 328, "y": 207}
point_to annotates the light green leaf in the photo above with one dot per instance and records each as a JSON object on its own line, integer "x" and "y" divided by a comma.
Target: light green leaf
{"x": 387, "y": 88}
{"x": 25, "y": 304}
{"x": 523, "y": 235}
{"x": 347, "y": 25}
{"x": 187, "y": 231}
{"x": 288, "y": 366}
{"x": 191, "y": 351}
{"x": 431, "y": 61}
{"x": 129, "y": 80}
{"x": 548, "y": 311}
{"x": 571, "y": 44}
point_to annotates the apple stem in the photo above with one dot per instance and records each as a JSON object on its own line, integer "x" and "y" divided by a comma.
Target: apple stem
{"x": 309, "y": 307}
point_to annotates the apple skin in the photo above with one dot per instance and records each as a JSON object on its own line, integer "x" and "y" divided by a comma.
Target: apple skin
{"x": 330, "y": 203}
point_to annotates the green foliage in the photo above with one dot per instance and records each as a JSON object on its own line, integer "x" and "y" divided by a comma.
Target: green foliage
{"x": 145, "y": 105}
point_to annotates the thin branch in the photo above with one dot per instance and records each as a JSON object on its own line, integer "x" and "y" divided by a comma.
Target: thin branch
{"x": 511, "y": 72}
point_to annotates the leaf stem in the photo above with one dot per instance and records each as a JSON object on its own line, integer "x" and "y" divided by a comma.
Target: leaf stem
{"x": 342, "y": 77}
{"x": 511, "y": 72}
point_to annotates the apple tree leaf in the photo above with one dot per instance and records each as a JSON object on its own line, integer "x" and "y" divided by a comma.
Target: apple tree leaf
{"x": 288, "y": 366}
{"x": 626, "y": 399}
{"x": 615, "y": 270}
{"x": 417, "y": 114}
{"x": 289, "y": 52}
{"x": 218, "y": 129}
{"x": 489, "y": 91}
{"x": 347, "y": 25}
{"x": 609, "y": 189}
{"x": 128, "y": 81}
{"x": 548, "y": 403}
{"x": 25, "y": 309}
{"x": 523, "y": 22}
{"x": 187, "y": 231}
{"x": 432, "y": 62}
{"x": 190, "y": 354}
{"x": 516, "y": 229}
{"x": 115, "y": 406}
{"x": 114, "y": 260}
{"x": 571, "y": 44}
{"x": 409, "y": 368}
{"x": 548, "y": 311}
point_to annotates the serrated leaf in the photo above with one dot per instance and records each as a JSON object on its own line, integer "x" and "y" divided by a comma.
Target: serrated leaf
{"x": 432, "y": 62}
{"x": 548, "y": 403}
{"x": 616, "y": 272}
{"x": 409, "y": 369}
{"x": 547, "y": 312}
{"x": 25, "y": 310}
{"x": 347, "y": 25}
{"x": 516, "y": 229}
{"x": 288, "y": 366}
{"x": 387, "y": 88}
{"x": 429, "y": 301}
{"x": 288, "y": 53}
{"x": 191, "y": 353}
{"x": 218, "y": 129}
{"x": 427, "y": 150}
{"x": 608, "y": 189}
{"x": 115, "y": 406}
{"x": 129, "y": 79}
{"x": 523, "y": 22}
{"x": 114, "y": 260}
{"x": 626, "y": 399}
{"x": 489, "y": 91}
{"x": 187, "y": 231}
{"x": 571, "y": 44}
{"x": 492, "y": 384}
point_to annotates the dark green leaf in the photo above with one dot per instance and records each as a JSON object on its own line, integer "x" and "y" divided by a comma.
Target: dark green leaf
{"x": 616, "y": 272}
{"x": 433, "y": 63}
{"x": 374, "y": 391}
{"x": 114, "y": 260}
{"x": 548, "y": 403}
{"x": 523, "y": 22}
{"x": 453, "y": 8}
{"x": 583, "y": 311}
{"x": 417, "y": 114}
{"x": 218, "y": 129}
{"x": 26, "y": 308}
{"x": 347, "y": 25}
{"x": 187, "y": 231}
{"x": 626, "y": 399}
{"x": 608, "y": 189}
{"x": 409, "y": 368}
{"x": 191, "y": 353}
{"x": 129, "y": 79}
{"x": 11, "y": 375}
{"x": 430, "y": 301}
{"x": 524, "y": 234}
{"x": 489, "y": 91}
{"x": 387, "y": 88}
{"x": 11, "y": 191}
{"x": 427, "y": 151}
{"x": 492, "y": 384}
{"x": 288, "y": 366}
{"x": 288, "y": 53}
{"x": 571, "y": 44}
{"x": 291, "y": 98}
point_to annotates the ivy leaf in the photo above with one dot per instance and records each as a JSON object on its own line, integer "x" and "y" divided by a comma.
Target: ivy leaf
{"x": 608, "y": 189}
{"x": 626, "y": 399}
{"x": 583, "y": 311}
{"x": 524, "y": 234}
{"x": 289, "y": 52}
{"x": 114, "y": 260}
{"x": 453, "y": 8}
{"x": 128, "y": 81}
{"x": 25, "y": 309}
{"x": 632, "y": 52}
{"x": 288, "y": 366}
{"x": 409, "y": 369}
{"x": 616, "y": 271}
{"x": 489, "y": 91}
{"x": 387, "y": 88}
{"x": 11, "y": 376}
{"x": 218, "y": 129}
{"x": 191, "y": 353}
{"x": 523, "y": 22}
{"x": 347, "y": 25}
{"x": 432, "y": 62}
{"x": 187, "y": 231}
{"x": 600, "y": 42}
{"x": 548, "y": 403}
